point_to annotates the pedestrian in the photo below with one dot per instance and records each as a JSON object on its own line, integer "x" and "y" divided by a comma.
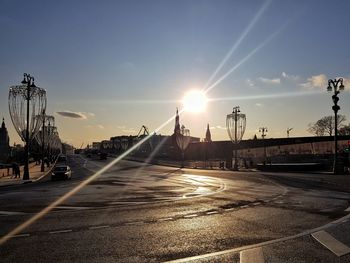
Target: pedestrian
{"x": 17, "y": 171}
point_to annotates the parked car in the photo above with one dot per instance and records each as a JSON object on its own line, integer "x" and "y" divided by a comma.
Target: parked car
{"x": 61, "y": 172}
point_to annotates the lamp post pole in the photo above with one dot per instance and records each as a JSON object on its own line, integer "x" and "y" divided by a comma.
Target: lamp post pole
{"x": 235, "y": 111}
{"x": 333, "y": 85}
{"x": 29, "y": 80}
{"x": 43, "y": 143}
{"x": 263, "y": 135}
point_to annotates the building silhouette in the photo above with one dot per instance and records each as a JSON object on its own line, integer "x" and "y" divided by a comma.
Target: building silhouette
{"x": 207, "y": 135}
{"x": 4, "y": 142}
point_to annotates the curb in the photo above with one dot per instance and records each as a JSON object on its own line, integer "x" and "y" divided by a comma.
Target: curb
{"x": 31, "y": 180}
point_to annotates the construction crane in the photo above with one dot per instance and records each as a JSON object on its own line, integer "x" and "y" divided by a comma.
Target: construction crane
{"x": 145, "y": 131}
{"x": 288, "y": 130}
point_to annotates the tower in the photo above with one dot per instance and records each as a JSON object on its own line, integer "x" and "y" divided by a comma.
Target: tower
{"x": 177, "y": 123}
{"x": 208, "y": 134}
{"x": 4, "y": 142}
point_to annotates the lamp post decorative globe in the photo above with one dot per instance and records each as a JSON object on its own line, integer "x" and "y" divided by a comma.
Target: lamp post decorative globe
{"x": 26, "y": 101}
{"x": 42, "y": 137}
{"x": 235, "y": 125}
{"x": 183, "y": 140}
{"x": 336, "y": 86}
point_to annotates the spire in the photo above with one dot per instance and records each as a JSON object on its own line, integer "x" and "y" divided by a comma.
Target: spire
{"x": 3, "y": 123}
{"x": 208, "y": 134}
{"x": 177, "y": 122}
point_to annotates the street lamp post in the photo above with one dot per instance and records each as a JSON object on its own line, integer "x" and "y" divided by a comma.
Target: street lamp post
{"x": 43, "y": 138}
{"x": 333, "y": 85}
{"x": 183, "y": 139}
{"x": 42, "y": 169}
{"x": 263, "y": 131}
{"x": 236, "y": 135}
{"x": 26, "y": 126}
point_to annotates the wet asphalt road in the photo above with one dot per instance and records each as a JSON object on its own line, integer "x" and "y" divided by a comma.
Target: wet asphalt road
{"x": 145, "y": 213}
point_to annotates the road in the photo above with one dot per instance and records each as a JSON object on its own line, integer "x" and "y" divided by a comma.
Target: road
{"x": 145, "y": 213}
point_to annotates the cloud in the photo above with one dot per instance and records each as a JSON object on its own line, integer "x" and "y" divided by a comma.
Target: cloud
{"x": 318, "y": 81}
{"x": 290, "y": 77}
{"x": 129, "y": 130}
{"x": 100, "y": 126}
{"x": 220, "y": 127}
{"x": 346, "y": 83}
{"x": 71, "y": 114}
{"x": 259, "y": 104}
{"x": 250, "y": 83}
{"x": 270, "y": 81}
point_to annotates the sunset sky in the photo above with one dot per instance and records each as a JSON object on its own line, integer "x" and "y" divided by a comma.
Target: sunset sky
{"x": 110, "y": 67}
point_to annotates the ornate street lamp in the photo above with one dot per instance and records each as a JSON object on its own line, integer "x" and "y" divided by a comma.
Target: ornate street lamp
{"x": 333, "y": 86}
{"x": 263, "y": 131}
{"x": 235, "y": 125}
{"x": 42, "y": 136}
{"x": 182, "y": 140}
{"x": 26, "y": 101}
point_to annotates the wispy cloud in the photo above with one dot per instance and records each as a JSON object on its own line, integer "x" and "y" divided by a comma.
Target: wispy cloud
{"x": 250, "y": 83}
{"x": 346, "y": 83}
{"x": 129, "y": 130}
{"x": 71, "y": 114}
{"x": 318, "y": 81}
{"x": 274, "y": 81}
{"x": 290, "y": 77}
{"x": 259, "y": 104}
{"x": 100, "y": 126}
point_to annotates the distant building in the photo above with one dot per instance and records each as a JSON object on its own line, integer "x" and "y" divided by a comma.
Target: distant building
{"x": 4, "y": 142}
{"x": 207, "y": 135}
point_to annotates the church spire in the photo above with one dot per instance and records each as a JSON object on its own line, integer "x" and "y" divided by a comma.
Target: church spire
{"x": 3, "y": 123}
{"x": 208, "y": 134}
{"x": 177, "y": 122}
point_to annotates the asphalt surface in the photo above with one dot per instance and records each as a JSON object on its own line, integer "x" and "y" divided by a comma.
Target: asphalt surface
{"x": 145, "y": 213}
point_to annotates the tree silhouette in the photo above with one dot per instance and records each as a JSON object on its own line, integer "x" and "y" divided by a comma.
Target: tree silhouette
{"x": 325, "y": 125}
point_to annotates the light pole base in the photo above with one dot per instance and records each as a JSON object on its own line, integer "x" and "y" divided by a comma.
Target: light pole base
{"x": 26, "y": 174}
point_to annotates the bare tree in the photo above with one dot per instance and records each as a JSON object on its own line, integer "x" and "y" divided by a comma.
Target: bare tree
{"x": 345, "y": 130}
{"x": 325, "y": 125}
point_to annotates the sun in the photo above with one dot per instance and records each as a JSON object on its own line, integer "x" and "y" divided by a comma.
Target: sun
{"x": 195, "y": 101}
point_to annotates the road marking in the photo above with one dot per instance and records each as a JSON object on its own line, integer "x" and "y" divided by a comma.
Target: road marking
{"x": 21, "y": 235}
{"x": 165, "y": 219}
{"x": 256, "y": 203}
{"x": 135, "y": 223}
{"x": 331, "y": 243}
{"x": 230, "y": 209}
{"x": 254, "y": 255}
{"x": 61, "y": 231}
{"x": 245, "y": 206}
{"x": 212, "y": 212}
{"x": 97, "y": 227}
{"x": 190, "y": 216}
{"x": 72, "y": 207}
{"x": 10, "y": 213}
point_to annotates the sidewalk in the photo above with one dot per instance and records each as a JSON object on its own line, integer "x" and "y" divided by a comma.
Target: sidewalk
{"x": 7, "y": 179}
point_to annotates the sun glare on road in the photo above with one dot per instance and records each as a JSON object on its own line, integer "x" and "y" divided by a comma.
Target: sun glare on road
{"x": 195, "y": 101}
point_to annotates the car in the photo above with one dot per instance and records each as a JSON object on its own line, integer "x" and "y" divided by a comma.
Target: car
{"x": 61, "y": 172}
{"x": 62, "y": 159}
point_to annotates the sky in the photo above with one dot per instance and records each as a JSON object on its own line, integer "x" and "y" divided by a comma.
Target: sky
{"x": 110, "y": 67}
